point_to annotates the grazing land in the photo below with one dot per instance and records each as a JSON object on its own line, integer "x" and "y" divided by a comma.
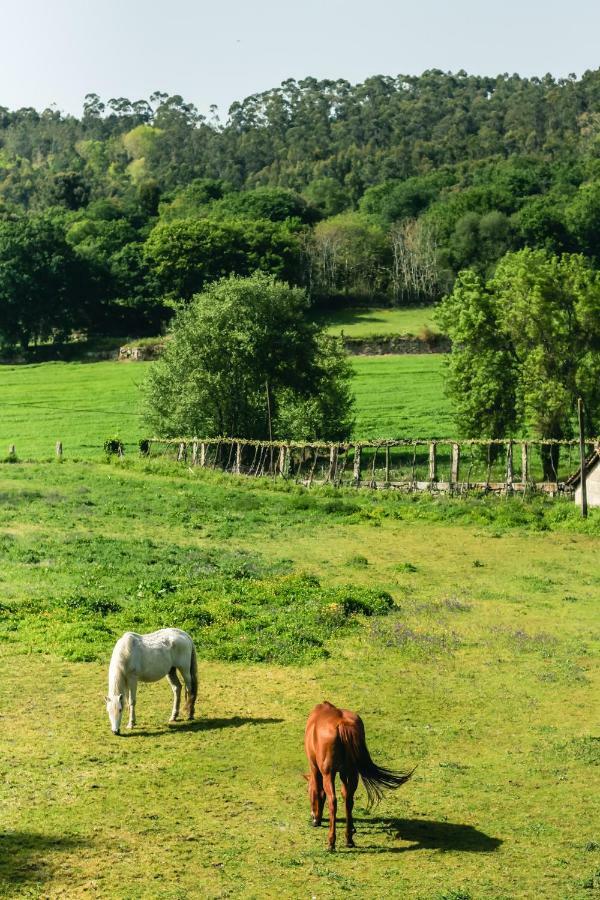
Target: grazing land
{"x": 401, "y": 396}
{"x": 367, "y": 322}
{"x": 84, "y": 403}
{"x": 483, "y": 668}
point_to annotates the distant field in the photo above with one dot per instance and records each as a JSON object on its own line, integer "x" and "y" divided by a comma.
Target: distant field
{"x": 82, "y": 404}
{"x": 401, "y": 396}
{"x": 357, "y": 323}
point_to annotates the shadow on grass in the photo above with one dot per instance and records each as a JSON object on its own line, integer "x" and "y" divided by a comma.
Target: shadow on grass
{"x": 22, "y": 855}
{"x": 205, "y": 725}
{"x": 428, "y": 835}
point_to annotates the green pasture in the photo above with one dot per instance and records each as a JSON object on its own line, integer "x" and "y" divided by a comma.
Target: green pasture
{"x": 84, "y": 403}
{"x": 464, "y": 631}
{"x": 366, "y": 323}
{"x": 401, "y": 396}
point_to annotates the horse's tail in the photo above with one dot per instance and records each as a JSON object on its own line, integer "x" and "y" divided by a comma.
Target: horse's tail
{"x": 191, "y": 699}
{"x": 375, "y": 778}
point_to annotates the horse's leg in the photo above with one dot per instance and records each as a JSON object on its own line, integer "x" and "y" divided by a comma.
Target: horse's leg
{"x": 317, "y": 795}
{"x": 349, "y": 785}
{"x": 329, "y": 786}
{"x": 190, "y": 697}
{"x": 131, "y": 694}
{"x": 176, "y": 685}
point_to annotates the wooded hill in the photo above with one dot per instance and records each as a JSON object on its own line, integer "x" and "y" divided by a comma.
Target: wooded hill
{"x": 382, "y": 190}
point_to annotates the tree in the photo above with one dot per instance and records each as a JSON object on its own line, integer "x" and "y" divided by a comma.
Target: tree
{"x": 41, "y": 281}
{"x": 415, "y": 275}
{"x": 187, "y": 254}
{"x": 348, "y": 254}
{"x": 526, "y": 344}
{"x": 242, "y": 346}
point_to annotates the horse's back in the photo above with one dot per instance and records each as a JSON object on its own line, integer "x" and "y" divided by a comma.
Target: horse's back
{"x": 151, "y": 656}
{"x": 167, "y": 637}
{"x": 322, "y": 741}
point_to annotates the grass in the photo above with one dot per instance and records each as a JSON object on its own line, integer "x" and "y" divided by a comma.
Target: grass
{"x": 401, "y": 396}
{"x": 485, "y": 675}
{"x": 84, "y": 403}
{"x": 366, "y": 323}
{"x": 79, "y": 403}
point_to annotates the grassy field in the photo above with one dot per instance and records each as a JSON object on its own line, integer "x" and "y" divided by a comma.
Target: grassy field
{"x": 84, "y": 403}
{"x": 485, "y": 672}
{"x": 363, "y": 323}
{"x": 401, "y": 396}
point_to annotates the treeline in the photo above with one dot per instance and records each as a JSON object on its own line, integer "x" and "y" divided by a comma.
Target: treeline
{"x": 379, "y": 191}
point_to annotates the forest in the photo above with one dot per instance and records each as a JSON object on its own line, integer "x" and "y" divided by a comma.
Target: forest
{"x": 378, "y": 192}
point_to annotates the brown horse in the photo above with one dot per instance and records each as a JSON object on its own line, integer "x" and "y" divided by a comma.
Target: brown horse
{"x": 335, "y": 742}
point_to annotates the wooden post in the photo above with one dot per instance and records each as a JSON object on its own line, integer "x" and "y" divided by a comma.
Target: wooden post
{"x": 203, "y": 454}
{"x": 333, "y": 451}
{"x": 584, "y": 508}
{"x": 12, "y": 450}
{"x": 194, "y": 453}
{"x": 59, "y": 449}
{"x": 525, "y": 463}
{"x": 181, "y": 452}
{"x": 387, "y": 464}
{"x": 357, "y": 449}
{"x": 432, "y": 462}
{"x": 455, "y": 464}
{"x": 238, "y": 458}
{"x": 284, "y": 461}
{"x": 509, "y": 466}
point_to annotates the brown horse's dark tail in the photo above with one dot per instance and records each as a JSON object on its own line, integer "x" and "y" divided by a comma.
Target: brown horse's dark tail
{"x": 375, "y": 778}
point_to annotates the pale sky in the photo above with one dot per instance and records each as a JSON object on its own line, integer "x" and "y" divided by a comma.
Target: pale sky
{"x": 56, "y": 51}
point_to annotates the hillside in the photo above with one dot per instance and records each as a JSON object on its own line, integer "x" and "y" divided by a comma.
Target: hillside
{"x": 376, "y": 192}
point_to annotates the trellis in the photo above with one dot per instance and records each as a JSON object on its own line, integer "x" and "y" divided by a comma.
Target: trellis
{"x": 454, "y": 466}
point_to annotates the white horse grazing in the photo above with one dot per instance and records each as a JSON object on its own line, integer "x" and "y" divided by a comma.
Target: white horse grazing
{"x": 149, "y": 657}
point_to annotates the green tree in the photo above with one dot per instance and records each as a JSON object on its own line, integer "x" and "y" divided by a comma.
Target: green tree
{"x": 41, "y": 281}
{"x": 526, "y": 344}
{"x": 238, "y": 342}
{"x": 187, "y": 254}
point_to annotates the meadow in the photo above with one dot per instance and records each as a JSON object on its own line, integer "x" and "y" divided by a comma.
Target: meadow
{"x": 372, "y": 322}
{"x": 464, "y": 631}
{"x": 84, "y": 403}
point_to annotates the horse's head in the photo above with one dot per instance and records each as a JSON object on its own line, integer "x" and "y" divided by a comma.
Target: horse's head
{"x": 114, "y": 708}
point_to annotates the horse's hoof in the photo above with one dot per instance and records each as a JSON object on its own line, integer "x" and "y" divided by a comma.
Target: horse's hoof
{"x": 350, "y": 844}
{"x": 315, "y": 823}
{"x": 331, "y": 849}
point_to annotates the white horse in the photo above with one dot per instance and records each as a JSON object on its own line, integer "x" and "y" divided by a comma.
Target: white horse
{"x": 149, "y": 657}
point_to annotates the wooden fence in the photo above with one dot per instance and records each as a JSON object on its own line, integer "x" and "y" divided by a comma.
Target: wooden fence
{"x": 409, "y": 465}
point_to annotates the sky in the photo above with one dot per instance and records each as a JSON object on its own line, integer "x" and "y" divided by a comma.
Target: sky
{"x": 56, "y": 51}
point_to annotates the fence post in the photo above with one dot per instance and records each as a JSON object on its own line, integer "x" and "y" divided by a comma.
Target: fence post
{"x": 181, "y": 452}
{"x": 284, "y": 461}
{"x": 432, "y": 462}
{"x": 194, "y": 453}
{"x": 356, "y": 473}
{"x": 333, "y": 451}
{"x": 387, "y": 464}
{"x": 455, "y": 464}
{"x": 238, "y": 458}
{"x": 525, "y": 462}
{"x": 12, "y": 450}
{"x": 509, "y": 467}
{"x": 202, "y": 454}
{"x": 582, "y": 481}
{"x": 59, "y": 449}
